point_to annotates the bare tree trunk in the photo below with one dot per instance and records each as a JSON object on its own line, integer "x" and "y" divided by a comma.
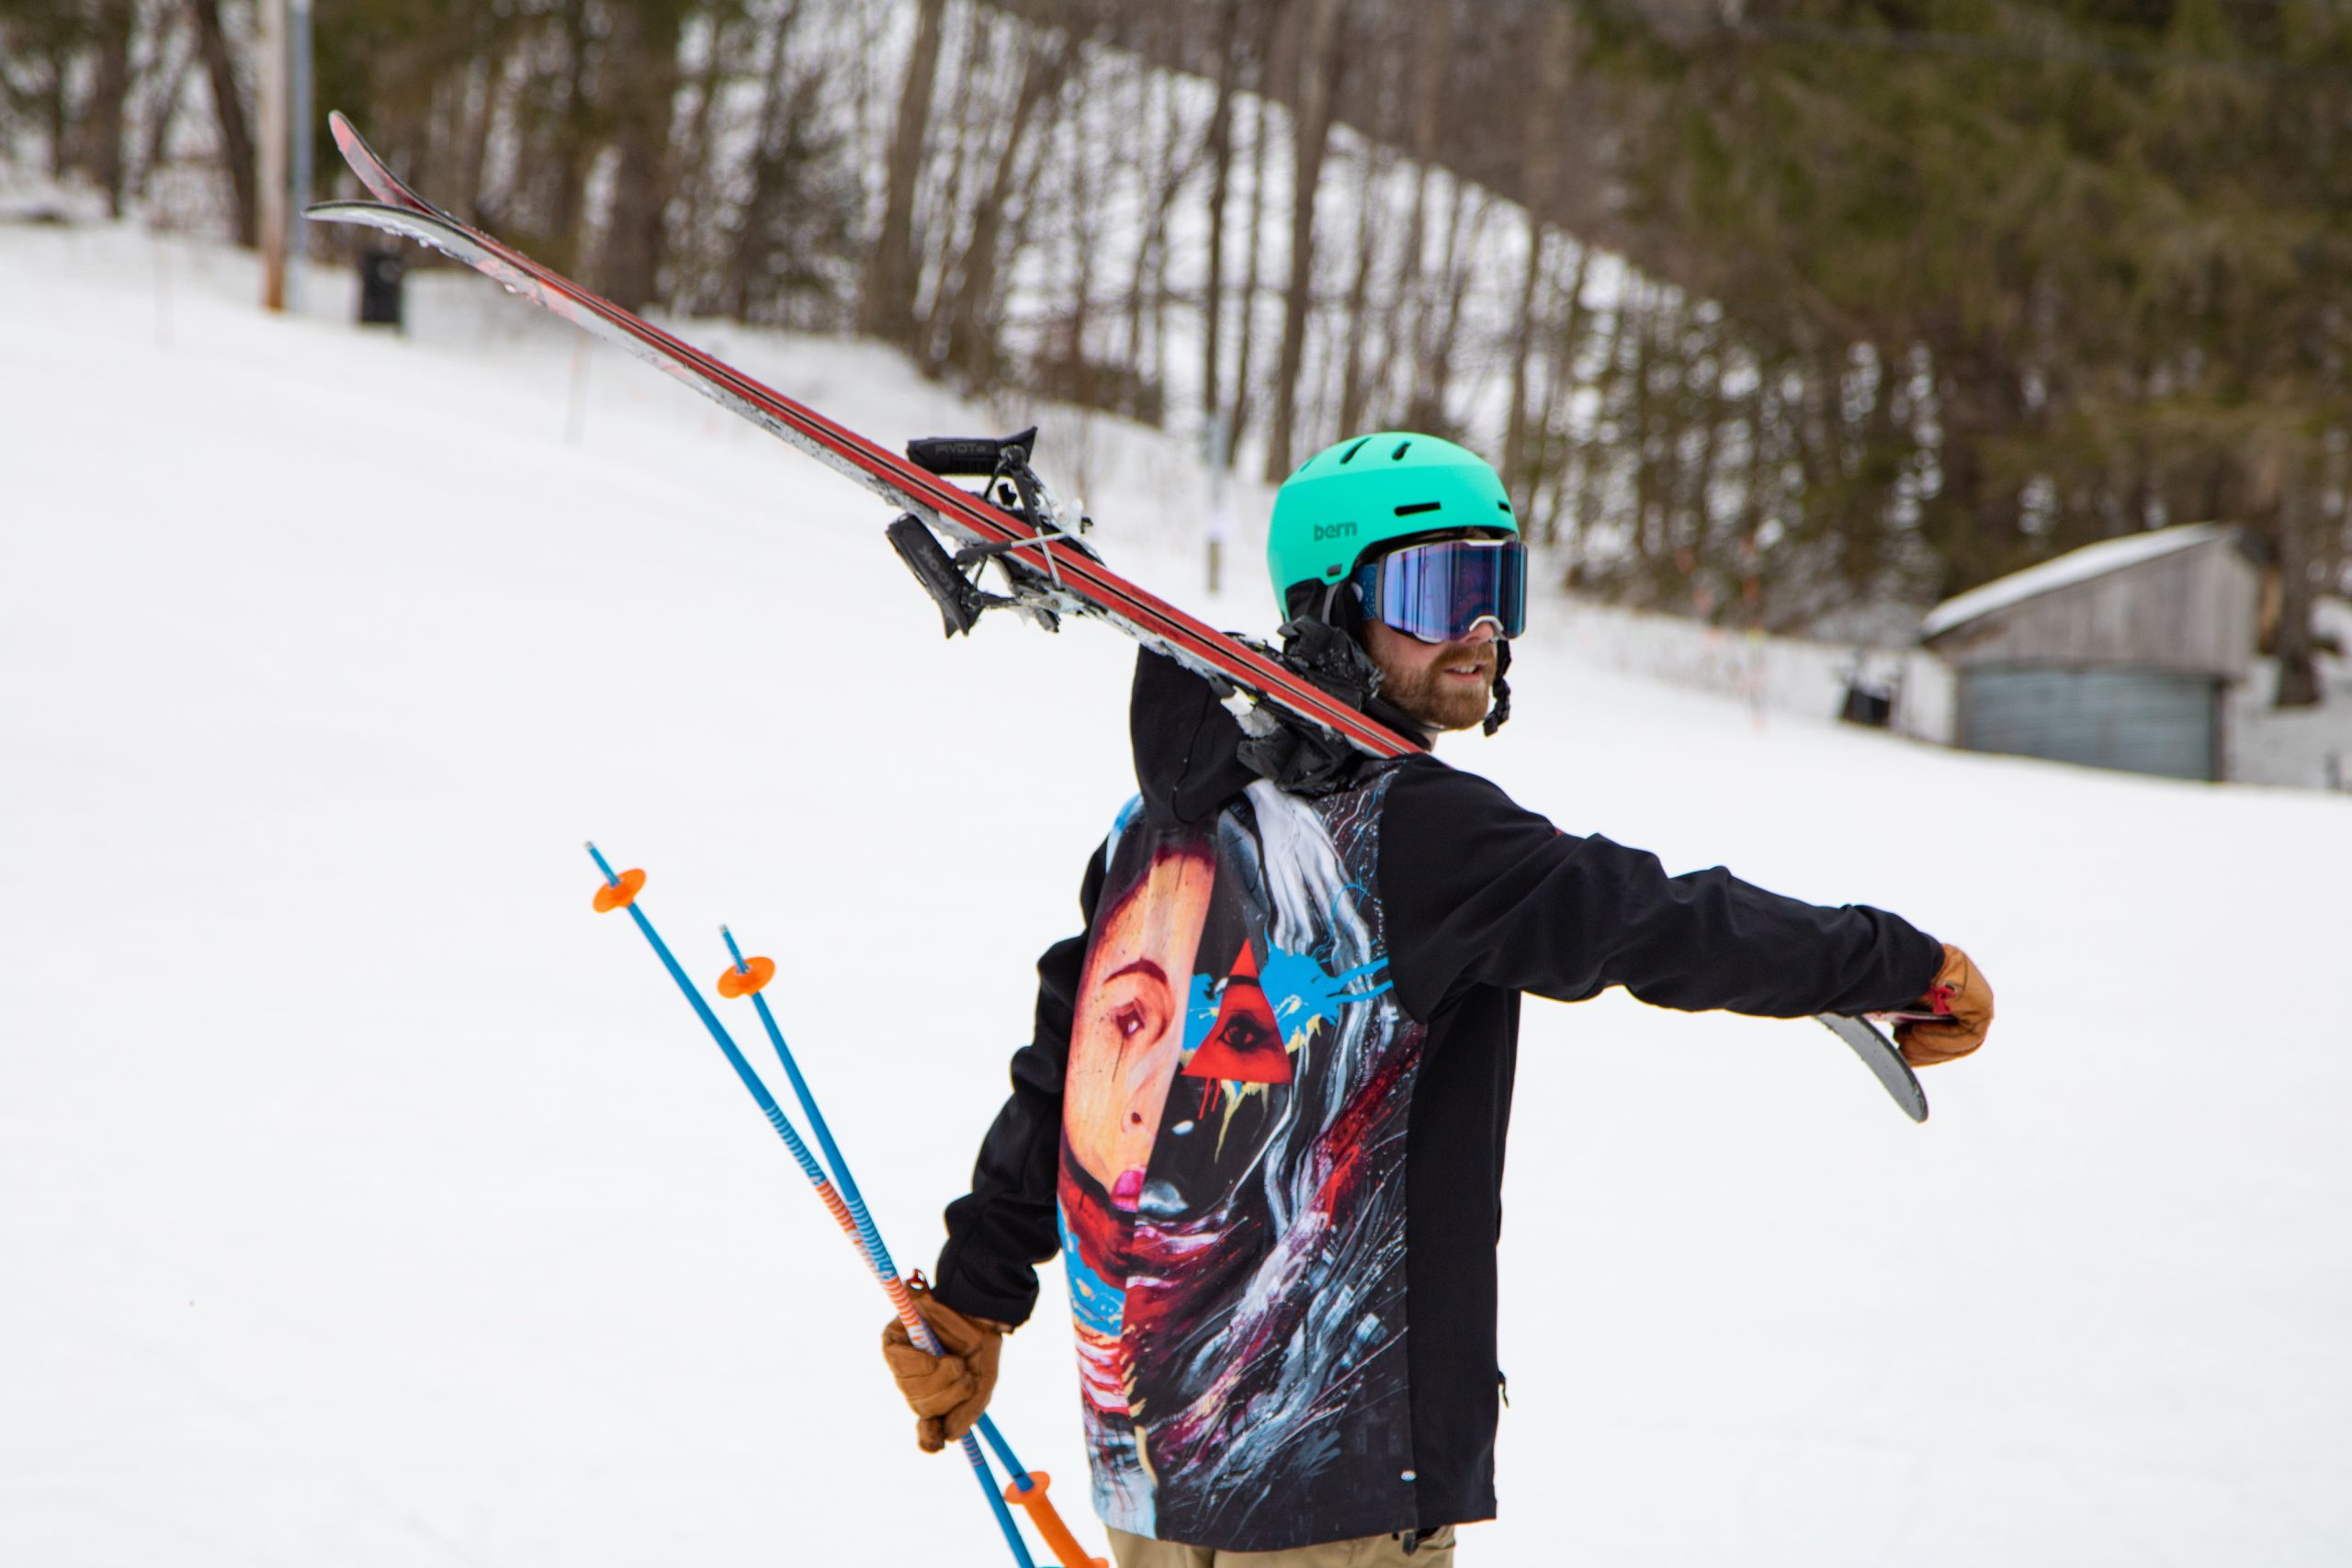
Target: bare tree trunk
{"x": 1147, "y": 289}
{"x": 1432, "y": 55}
{"x": 691, "y": 159}
{"x": 1175, "y": 177}
{"x": 164, "y": 100}
{"x": 1540, "y": 162}
{"x": 886, "y": 302}
{"x": 2298, "y": 682}
{"x": 1518, "y": 475}
{"x": 1353, "y": 327}
{"x": 1758, "y": 465}
{"x": 1086, "y": 220}
{"x": 1972, "y": 521}
{"x": 481, "y": 114}
{"x": 1025, "y": 208}
{"x": 57, "y": 108}
{"x": 1137, "y": 120}
{"x": 1597, "y": 457}
{"x": 755, "y": 220}
{"x": 1319, "y": 64}
{"x": 1698, "y": 495}
{"x": 1379, "y": 44}
{"x": 1240, "y": 421}
{"x": 229, "y": 108}
{"x": 1649, "y": 542}
{"x": 970, "y": 337}
{"x": 1220, "y": 151}
{"x": 643, "y": 50}
{"x": 102, "y": 112}
{"x": 1567, "y": 345}
{"x": 1866, "y": 488}
{"x": 1434, "y": 364}
{"x": 933, "y": 266}
{"x": 574, "y": 149}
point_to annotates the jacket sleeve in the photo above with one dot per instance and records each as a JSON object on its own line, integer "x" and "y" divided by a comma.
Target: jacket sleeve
{"x": 1478, "y": 890}
{"x": 1007, "y": 1225}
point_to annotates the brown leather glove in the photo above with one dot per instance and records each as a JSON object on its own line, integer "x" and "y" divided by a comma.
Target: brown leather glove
{"x": 946, "y": 1392}
{"x": 1965, "y": 1003}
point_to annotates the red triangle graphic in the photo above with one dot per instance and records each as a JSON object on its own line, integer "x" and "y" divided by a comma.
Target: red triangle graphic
{"x": 1244, "y": 1044}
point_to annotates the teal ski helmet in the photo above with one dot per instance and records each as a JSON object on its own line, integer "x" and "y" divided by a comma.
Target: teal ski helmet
{"x": 1359, "y": 497}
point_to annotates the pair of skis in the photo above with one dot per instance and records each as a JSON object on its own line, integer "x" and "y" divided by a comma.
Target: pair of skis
{"x": 1051, "y": 572}
{"x": 1054, "y": 572}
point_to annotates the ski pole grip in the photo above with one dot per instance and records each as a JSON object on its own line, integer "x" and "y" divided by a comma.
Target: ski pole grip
{"x": 1048, "y": 1523}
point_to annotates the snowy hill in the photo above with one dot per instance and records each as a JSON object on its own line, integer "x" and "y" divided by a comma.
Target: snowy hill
{"x": 369, "y": 1201}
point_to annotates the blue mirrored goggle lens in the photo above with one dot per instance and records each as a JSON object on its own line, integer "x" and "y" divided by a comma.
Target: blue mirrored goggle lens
{"x": 1436, "y": 593}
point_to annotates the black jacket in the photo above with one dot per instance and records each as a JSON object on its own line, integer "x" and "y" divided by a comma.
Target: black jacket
{"x": 1480, "y": 901}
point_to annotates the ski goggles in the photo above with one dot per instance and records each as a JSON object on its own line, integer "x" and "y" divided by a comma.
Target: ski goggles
{"x": 1439, "y": 592}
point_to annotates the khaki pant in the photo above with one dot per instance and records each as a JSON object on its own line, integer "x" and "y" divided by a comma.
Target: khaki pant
{"x": 1435, "y": 1550}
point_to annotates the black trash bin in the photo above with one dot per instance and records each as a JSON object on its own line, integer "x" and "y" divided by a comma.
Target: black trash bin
{"x": 1872, "y": 706}
{"x": 379, "y": 288}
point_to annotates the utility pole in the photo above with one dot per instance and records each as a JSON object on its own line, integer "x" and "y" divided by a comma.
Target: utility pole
{"x": 298, "y": 50}
{"x": 283, "y": 156}
{"x": 271, "y": 155}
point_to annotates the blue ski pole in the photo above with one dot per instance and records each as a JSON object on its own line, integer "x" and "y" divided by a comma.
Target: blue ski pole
{"x": 749, "y": 977}
{"x": 619, "y": 892}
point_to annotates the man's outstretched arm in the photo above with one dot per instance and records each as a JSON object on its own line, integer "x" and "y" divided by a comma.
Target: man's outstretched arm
{"x": 1480, "y": 890}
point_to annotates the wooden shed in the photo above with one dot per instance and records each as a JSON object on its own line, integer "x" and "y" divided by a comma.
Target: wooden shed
{"x": 2117, "y": 655}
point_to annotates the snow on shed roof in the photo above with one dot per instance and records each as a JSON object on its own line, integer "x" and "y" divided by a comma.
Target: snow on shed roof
{"x": 2074, "y": 565}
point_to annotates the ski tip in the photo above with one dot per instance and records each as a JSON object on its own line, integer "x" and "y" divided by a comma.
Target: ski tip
{"x": 396, "y": 221}
{"x": 1885, "y": 1059}
{"x": 347, "y": 139}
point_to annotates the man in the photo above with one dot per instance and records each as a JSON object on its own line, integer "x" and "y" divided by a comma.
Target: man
{"x": 1263, "y": 1117}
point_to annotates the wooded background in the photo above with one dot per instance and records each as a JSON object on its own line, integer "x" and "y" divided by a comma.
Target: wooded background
{"x": 1791, "y": 313}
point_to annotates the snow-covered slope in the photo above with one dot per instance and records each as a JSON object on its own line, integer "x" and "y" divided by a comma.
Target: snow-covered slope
{"x": 366, "y": 1200}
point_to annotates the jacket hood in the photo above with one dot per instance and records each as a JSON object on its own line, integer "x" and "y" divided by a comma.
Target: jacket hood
{"x": 1187, "y": 744}
{"x": 1190, "y": 749}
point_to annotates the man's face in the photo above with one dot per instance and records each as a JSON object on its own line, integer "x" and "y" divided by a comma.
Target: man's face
{"x": 1445, "y": 685}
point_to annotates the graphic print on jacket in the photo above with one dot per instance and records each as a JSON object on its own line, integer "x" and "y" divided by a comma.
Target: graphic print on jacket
{"x": 1232, "y": 1186}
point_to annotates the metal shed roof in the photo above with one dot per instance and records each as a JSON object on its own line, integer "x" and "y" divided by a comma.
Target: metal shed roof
{"x": 2074, "y": 565}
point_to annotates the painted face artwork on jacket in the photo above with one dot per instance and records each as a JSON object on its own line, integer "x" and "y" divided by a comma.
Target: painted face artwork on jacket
{"x": 1130, "y": 1019}
{"x": 1232, "y": 1183}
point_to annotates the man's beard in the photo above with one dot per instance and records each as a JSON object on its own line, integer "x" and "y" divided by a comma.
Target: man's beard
{"x": 1441, "y": 702}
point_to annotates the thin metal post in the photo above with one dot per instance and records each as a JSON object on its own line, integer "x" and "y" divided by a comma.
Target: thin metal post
{"x": 298, "y": 54}
{"x": 270, "y": 155}
{"x": 1220, "y": 522}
